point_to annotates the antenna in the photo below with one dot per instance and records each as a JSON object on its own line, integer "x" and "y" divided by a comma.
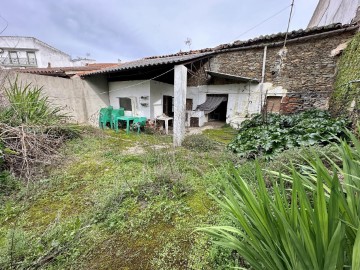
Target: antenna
{"x": 188, "y": 42}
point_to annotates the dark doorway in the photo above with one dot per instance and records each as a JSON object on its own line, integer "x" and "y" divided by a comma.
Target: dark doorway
{"x": 168, "y": 105}
{"x": 219, "y": 114}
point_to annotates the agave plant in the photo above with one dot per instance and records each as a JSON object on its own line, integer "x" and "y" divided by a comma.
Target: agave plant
{"x": 315, "y": 225}
{"x": 28, "y": 105}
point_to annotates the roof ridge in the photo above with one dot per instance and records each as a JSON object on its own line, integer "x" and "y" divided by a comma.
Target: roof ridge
{"x": 291, "y": 34}
{"x": 238, "y": 43}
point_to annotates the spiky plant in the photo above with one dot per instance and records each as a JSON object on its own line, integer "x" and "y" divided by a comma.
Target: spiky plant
{"x": 28, "y": 105}
{"x": 315, "y": 225}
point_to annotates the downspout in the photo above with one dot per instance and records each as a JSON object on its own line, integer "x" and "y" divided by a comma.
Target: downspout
{"x": 262, "y": 78}
{"x": 263, "y": 66}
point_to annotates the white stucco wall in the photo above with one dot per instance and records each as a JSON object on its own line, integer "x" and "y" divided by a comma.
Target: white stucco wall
{"x": 81, "y": 99}
{"x": 133, "y": 90}
{"x": 334, "y": 11}
{"x": 44, "y": 53}
{"x": 157, "y": 91}
{"x": 243, "y": 99}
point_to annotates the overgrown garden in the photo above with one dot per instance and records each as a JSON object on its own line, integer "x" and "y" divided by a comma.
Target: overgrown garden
{"x": 283, "y": 194}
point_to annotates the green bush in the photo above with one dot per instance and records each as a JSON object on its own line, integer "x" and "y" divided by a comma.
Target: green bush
{"x": 283, "y": 132}
{"x": 199, "y": 143}
{"x": 316, "y": 225}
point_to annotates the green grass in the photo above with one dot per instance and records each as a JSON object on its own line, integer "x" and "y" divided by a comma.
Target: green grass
{"x": 115, "y": 201}
{"x": 118, "y": 201}
{"x": 224, "y": 135}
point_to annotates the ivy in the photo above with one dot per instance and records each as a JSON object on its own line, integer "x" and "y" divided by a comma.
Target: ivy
{"x": 283, "y": 132}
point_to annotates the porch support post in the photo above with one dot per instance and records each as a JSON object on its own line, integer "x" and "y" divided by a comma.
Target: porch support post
{"x": 180, "y": 85}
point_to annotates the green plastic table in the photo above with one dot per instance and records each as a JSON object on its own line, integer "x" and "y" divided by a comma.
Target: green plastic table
{"x": 127, "y": 119}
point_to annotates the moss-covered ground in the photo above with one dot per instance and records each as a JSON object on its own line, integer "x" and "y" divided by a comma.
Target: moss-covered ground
{"x": 118, "y": 201}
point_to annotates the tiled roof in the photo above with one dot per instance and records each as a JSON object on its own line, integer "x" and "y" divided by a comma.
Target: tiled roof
{"x": 67, "y": 71}
{"x": 153, "y": 61}
{"x": 291, "y": 35}
{"x": 182, "y": 57}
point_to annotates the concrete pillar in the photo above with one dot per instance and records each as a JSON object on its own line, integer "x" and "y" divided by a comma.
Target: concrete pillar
{"x": 180, "y": 85}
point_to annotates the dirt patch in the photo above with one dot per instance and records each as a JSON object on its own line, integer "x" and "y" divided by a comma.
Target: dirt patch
{"x": 140, "y": 149}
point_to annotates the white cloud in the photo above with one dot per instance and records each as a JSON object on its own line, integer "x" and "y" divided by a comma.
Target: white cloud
{"x": 129, "y": 29}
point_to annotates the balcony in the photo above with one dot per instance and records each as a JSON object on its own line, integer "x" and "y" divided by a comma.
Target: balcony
{"x": 18, "y": 62}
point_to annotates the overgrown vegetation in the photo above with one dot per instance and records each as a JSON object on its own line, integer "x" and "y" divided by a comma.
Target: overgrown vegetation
{"x": 345, "y": 98}
{"x": 316, "y": 225}
{"x": 198, "y": 142}
{"x": 32, "y": 129}
{"x": 117, "y": 201}
{"x": 283, "y": 132}
{"x": 28, "y": 105}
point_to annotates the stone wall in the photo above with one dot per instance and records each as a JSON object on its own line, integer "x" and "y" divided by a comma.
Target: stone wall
{"x": 307, "y": 70}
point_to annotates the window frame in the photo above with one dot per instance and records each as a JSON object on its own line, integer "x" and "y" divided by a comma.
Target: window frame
{"x": 28, "y": 59}
{"x": 14, "y": 60}
{"x": 126, "y": 108}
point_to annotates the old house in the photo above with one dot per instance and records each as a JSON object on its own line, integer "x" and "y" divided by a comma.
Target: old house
{"x": 284, "y": 72}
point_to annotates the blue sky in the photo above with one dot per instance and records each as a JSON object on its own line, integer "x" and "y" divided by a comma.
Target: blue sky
{"x": 109, "y": 30}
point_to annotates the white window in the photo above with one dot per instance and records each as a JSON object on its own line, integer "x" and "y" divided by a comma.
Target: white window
{"x": 125, "y": 103}
{"x": 13, "y": 56}
{"x": 31, "y": 58}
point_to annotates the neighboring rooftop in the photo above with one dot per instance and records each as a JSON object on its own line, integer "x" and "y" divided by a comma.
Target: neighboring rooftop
{"x": 152, "y": 61}
{"x": 67, "y": 72}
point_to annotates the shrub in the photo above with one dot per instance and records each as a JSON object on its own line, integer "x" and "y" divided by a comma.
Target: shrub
{"x": 28, "y": 105}
{"x": 316, "y": 225}
{"x": 31, "y": 129}
{"x": 198, "y": 142}
{"x": 283, "y": 132}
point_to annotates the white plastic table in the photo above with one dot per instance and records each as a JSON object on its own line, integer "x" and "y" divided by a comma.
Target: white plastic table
{"x": 166, "y": 120}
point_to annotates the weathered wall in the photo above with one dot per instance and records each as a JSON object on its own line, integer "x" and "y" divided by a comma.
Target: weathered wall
{"x": 334, "y": 11}
{"x": 307, "y": 72}
{"x": 80, "y": 99}
{"x": 243, "y": 99}
{"x": 345, "y": 99}
{"x": 157, "y": 91}
{"x": 133, "y": 90}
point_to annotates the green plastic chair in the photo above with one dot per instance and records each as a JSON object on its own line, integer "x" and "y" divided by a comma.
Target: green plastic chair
{"x": 139, "y": 122}
{"x": 115, "y": 115}
{"x": 105, "y": 116}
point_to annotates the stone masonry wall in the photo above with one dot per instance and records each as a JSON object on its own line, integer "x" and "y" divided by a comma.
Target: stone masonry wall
{"x": 307, "y": 71}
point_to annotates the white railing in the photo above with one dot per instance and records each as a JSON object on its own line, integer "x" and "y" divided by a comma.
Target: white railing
{"x": 18, "y": 62}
